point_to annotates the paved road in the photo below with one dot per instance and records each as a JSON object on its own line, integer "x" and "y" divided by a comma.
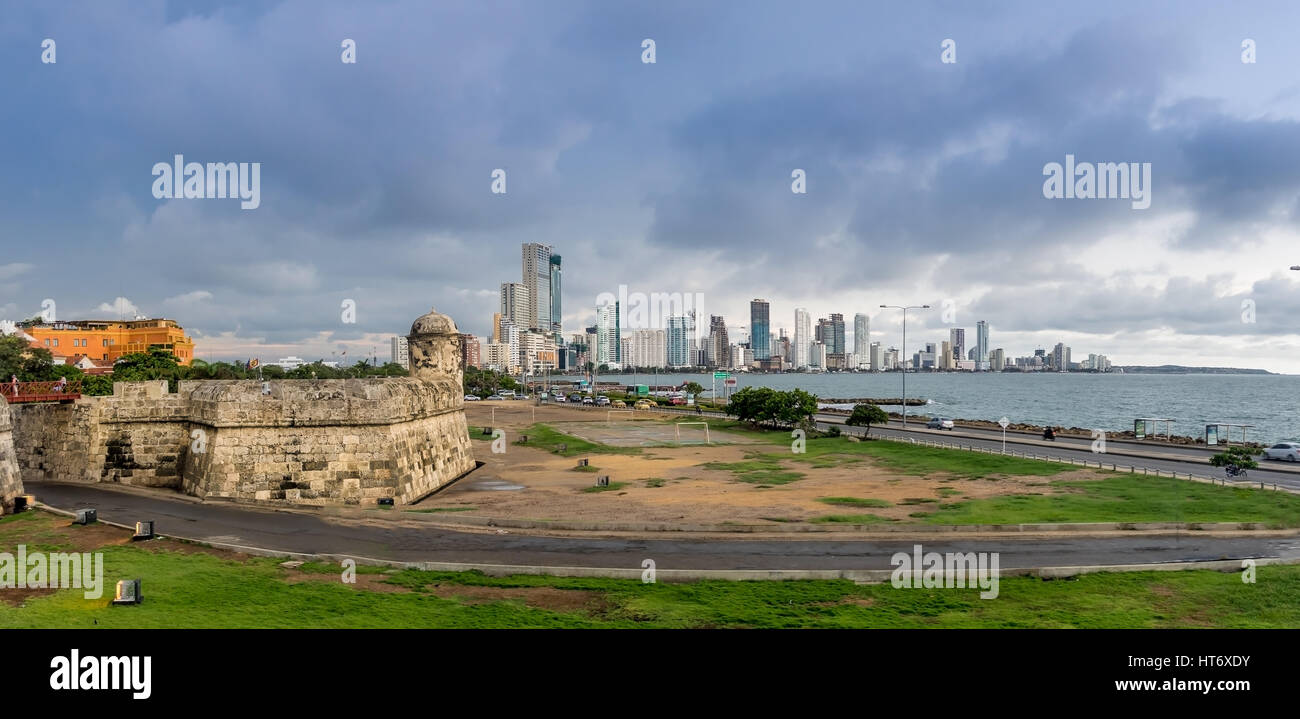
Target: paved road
{"x": 382, "y": 539}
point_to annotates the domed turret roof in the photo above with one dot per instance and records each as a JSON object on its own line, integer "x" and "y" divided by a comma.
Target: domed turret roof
{"x": 433, "y": 323}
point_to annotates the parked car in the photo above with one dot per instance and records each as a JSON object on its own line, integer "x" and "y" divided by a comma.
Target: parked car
{"x": 678, "y": 400}
{"x": 1290, "y": 451}
{"x": 472, "y": 398}
{"x": 644, "y": 404}
{"x": 495, "y": 397}
{"x": 939, "y": 423}
{"x": 602, "y": 400}
{"x": 618, "y": 403}
{"x": 588, "y": 400}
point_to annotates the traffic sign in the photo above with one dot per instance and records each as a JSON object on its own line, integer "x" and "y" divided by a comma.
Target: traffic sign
{"x": 731, "y": 382}
{"x": 721, "y": 375}
{"x": 1004, "y": 422}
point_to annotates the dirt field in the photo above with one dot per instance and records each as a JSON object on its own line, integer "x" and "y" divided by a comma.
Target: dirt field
{"x": 670, "y": 484}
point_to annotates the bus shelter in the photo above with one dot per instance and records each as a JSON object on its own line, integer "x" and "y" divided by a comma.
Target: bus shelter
{"x": 1216, "y": 432}
{"x": 1143, "y": 426}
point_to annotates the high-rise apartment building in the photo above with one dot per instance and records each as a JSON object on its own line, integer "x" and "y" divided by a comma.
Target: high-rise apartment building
{"x": 681, "y": 334}
{"x": 803, "y": 338}
{"x": 515, "y": 303}
{"x": 1061, "y": 357}
{"x": 760, "y": 326}
{"x": 997, "y": 360}
{"x": 554, "y": 288}
{"x": 957, "y": 338}
{"x": 718, "y": 348}
{"x": 861, "y": 335}
{"x": 537, "y": 281}
{"x": 609, "y": 348}
{"x": 981, "y": 345}
{"x": 646, "y": 348}
{"x": 398, "y": 350}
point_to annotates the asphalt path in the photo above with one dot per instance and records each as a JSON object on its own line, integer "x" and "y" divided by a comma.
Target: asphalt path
{"x": 382, "y": 538}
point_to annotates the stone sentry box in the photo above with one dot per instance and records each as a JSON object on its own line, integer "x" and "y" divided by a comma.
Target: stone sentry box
{"x": 306, "y": 442}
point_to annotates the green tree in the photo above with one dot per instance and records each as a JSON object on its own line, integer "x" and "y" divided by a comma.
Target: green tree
{"x": 143, "y": 366}
{"x": 867, "y": 415}
{"x": 1238, "y": 457}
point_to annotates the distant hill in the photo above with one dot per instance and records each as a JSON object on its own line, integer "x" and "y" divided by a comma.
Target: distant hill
{"x": 1179, "y": 369}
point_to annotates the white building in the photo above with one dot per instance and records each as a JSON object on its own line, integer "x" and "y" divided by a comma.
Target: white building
{"x": 862, "y": 336}
{"x": 817, "y": 355}
{"x": 802, "y": 337}
{"x": 646, "y": 348}
{"x": 400, "y": 355}
{"x": 608, "y": 348}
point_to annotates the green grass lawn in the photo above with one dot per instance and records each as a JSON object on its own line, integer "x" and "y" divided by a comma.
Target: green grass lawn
{"x": 856, "y": 501}
{"x": 543, "y": 436}
{"x": 203, "y": 590}
{"x": 1128, "y": 498}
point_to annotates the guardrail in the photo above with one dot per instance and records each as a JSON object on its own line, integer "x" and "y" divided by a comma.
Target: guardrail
{"x": 58, "y": 391}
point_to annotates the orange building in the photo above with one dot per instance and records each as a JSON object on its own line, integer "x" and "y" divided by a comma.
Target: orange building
{"x": 107, "y": 340}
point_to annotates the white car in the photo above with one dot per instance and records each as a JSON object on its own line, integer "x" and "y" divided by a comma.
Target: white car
{"x": 939, "y": 423}
{"x": 472, "y": 398}
{"x": 1290, "y": 451}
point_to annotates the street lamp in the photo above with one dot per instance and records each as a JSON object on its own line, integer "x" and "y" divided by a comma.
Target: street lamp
{"x": 905, "y": 309}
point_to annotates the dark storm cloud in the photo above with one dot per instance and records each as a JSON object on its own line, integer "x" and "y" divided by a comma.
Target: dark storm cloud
{"x": 670, "y": 177}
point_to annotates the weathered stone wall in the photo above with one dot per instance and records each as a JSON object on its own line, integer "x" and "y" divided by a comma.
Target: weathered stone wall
{"x": 11, "y": 483}
{"x": 54, "y": 441}
{"x": 294, "y": 441}
{"x": 324, "y": 441}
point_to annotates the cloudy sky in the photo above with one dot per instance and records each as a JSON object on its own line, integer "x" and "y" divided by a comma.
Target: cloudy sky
{"x": 924, "y": 178}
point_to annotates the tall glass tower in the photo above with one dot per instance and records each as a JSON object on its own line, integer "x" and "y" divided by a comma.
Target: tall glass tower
{"x": 760, "y": 329}
{"x": 555, "y": 294}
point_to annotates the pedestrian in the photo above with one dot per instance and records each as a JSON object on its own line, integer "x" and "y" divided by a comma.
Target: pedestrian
{"x": 14, "y": 380}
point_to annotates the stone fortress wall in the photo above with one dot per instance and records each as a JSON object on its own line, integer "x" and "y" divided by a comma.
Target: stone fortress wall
{"x": 11, "y": 483}
{"x": 298, "y": 442}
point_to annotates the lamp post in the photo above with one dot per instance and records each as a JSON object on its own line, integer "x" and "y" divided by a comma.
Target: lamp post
{"x": 905, "y": 309}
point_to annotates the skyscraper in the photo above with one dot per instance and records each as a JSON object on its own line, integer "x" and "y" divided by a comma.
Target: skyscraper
{"x": 718, "y": 347}
{"x": 681, "y": 330}
{"x": 759, "y": 329}
{"x": 1061, "y": 357}
{"x": 836, "y": 344}
{"x": 802, "y": 337}
{"x": 957, "y": 338}
{"x": 515, "y": 305}
{"x": 556, "y": 314}
{"x": 537, "y": 278}
{"x": 609, "y": 348}
{"x": 981, "y": 345}
{"x": 861, "y": 335}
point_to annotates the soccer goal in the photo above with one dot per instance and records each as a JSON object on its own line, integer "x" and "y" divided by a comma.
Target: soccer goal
{"x": 609, "y": 415}
{"x": 677, "y": 431}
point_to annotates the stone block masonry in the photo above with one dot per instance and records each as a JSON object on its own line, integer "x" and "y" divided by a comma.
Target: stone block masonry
{"x": 11, "y": 483}
{"x": 296, "y": 442}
